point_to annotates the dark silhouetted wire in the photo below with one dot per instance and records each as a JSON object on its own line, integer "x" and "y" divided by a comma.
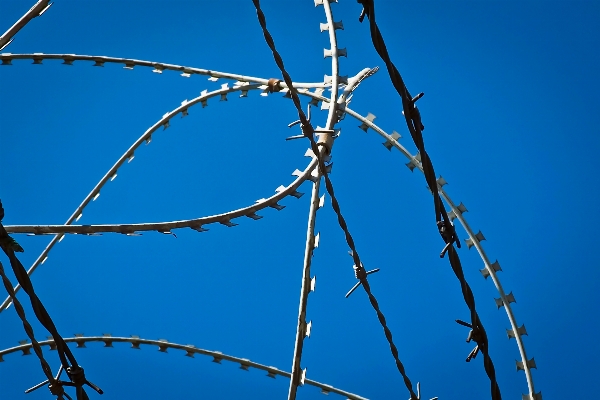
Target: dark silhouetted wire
{"x": 445, "y": 227}
{"x": 308, "y": 131}
{"x": 74, "y": 371}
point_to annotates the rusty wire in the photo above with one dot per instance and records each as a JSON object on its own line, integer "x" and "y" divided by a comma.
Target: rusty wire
{"x": 309, "y": 132}
{"x": 74, "y": 371}
{"x": 445, "y": 227}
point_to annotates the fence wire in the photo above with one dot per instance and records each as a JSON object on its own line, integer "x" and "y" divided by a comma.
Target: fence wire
{"x": 445, "y": 227}
{"x": 309, "y": 132}
{"x": 68, "y": 361}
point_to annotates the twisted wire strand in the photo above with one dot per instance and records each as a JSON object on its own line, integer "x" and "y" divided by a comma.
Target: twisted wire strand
{"x": 308, "y": 131}
{"x": 190, "y": 350}
{"x": 26, "y": 325}
{"x": 414, "y": 124}
{"x": 40, "y": 312}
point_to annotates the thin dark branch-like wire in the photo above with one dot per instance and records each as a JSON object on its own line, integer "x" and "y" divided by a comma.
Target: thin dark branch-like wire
{"x": 74, "y": 371}
{"x": 415, "y": 126}
{"x": 308, "y": 131}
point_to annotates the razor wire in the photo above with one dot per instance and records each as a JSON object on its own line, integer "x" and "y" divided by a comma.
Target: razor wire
{"x": 129, "y": 155}
{"x": 309, "y": 132}
{"x": 445, "y": 227}
{"x": 190, "y": 350}
{"x": 36, "y": 11}
{"x": 414, "y": 162}
{"x": 391, "y": 140}
{"x": 74, "y": 371}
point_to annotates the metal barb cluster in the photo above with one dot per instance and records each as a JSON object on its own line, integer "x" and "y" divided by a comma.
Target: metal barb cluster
{"x": 445, "y": 227}
{"x": 308, "y": 132}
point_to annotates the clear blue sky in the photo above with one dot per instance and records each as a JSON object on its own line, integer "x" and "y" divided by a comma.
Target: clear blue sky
{"x": 511, "y": 115}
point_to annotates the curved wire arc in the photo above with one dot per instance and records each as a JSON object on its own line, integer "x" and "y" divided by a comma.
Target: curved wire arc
{"x": 414, "y": 161}
{"x": 525, "y": 363}
{"x": 516, "y": 332}
{"x": 190, "y": 350}
{"x": 129, "y": 154}
{"x": 130, "y": 63}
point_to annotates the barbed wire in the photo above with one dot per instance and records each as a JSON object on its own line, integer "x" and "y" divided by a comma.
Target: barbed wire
{"x": 74, "y": 371}
{"x": 445, "y": 227}
{"x": 129, "y": 155}
{"x": 190, "y": 350}
{"x": 26, "y": 325}
{"x": 309, "y": 132}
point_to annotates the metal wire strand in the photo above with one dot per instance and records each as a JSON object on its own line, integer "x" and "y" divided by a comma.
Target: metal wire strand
{"x": 415, "y": 126}
{"x": 26, "y": 325}
{"x": 308, "y": 131}
{"x": 73, "y": 369}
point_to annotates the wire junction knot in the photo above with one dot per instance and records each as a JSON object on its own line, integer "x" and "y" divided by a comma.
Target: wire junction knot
{"x": 448, "y": 233}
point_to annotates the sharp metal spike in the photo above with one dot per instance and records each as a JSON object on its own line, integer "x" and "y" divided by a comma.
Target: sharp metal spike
{"x": 308, "y": 328}
{"x": 511, "y": 298}
{"x": 276, "y": 206}
{"x": 499, "y": 302}
{"x": 370, "y": 117}
{"x": 321, "y": 201}
{"x": 496, "y": 266}
{"x": 313, "y": 283}
{"x": 189, "y": 352}
{"x": 254, "y": 216}
{"x": 228, "y": 223}
{"x": 317, "y": 239}
{"x": 469, "y": 242}
{"x": 451, "y": 215}
{"x": 163, "y": 347}
{"x": 309, "y": 153}
{"x": 245, "y": 366}
{"x": 199, "y": 228}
